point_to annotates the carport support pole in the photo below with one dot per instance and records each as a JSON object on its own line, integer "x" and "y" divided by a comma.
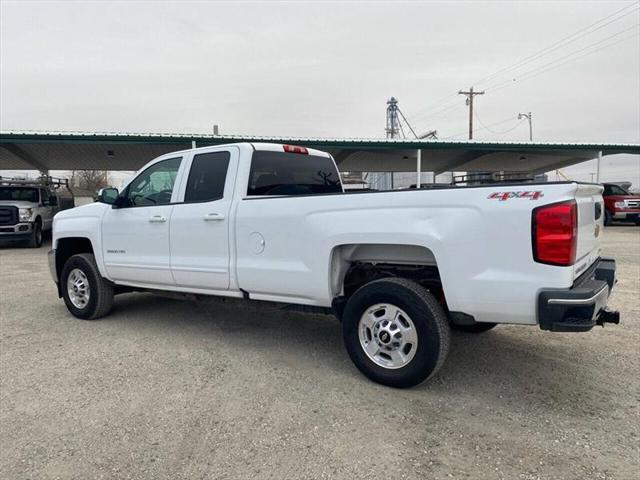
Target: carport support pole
{"x": 598, "y": 166}
{"x": 418, "y": 168}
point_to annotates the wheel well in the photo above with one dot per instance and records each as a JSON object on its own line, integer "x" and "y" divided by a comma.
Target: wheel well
{"x": 360, "y": 274}
{"x": 68, "y": 247}
{"x": 355, "y": 265}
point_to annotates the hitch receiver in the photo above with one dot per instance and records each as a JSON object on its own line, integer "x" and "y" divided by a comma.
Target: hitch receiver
{"x": 608, "y": 316}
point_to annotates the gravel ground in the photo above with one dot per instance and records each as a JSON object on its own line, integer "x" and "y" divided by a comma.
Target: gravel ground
{"x": 164, "y": 388}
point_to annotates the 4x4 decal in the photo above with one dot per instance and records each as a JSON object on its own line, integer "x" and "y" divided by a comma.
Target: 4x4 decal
{"x": 502, "y": 196}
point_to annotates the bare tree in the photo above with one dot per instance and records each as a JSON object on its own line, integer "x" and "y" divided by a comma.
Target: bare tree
{"x": 92, "y": 180}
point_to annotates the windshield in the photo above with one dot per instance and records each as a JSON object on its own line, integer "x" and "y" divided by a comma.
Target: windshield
{"x": 19, "y": 193}
{"x": 611, "y": 189}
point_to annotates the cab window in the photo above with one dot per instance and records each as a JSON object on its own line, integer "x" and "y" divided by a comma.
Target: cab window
{"x": 207, "y": 176}
{"x": 154, "y": 186}
{"x": 279, "y": 173}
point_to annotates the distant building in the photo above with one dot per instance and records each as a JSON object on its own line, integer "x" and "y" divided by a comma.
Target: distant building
{"x": 82, "y": 196}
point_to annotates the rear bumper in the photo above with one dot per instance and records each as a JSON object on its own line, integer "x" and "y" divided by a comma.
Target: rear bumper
{"x": 581, "y": 307}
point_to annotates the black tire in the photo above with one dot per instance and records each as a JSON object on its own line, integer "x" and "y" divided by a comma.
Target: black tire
{"x": 35, "y": 241}
{"x": 100, "y": 291}
{"x": 607, "y": 218}
{"x": 427, "y": 316}
{"x": 475, "y": 328}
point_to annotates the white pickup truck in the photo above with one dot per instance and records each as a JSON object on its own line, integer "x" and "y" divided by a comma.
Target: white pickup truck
{"x": 398, "y": 268}
{"x": 27, "y": 208}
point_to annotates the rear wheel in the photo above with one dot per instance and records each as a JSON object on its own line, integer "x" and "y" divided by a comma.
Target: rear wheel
{"x": 86, "y": 294}
{"x": 395, "y": 332}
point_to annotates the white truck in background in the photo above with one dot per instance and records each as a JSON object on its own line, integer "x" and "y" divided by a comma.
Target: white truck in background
{"x": 398, "y": 268}
{"x": 27, "y": 207}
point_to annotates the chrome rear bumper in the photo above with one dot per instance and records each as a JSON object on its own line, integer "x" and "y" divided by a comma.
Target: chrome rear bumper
{"x": 584, "y": 305}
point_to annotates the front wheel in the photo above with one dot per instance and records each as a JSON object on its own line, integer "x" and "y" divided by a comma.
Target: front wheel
{"x": 395, "y": 332}
{"x": 607, "y": 218}
{"x": 35, "y": 241}
{"x": 86, "y": 294}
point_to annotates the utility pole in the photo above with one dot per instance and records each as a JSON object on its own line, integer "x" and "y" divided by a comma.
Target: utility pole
{"x": 470, "y": 94}
{"x": 528, "y": 117}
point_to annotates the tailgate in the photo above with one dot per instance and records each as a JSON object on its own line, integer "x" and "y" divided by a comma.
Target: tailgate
{"x": 590, "y": 224}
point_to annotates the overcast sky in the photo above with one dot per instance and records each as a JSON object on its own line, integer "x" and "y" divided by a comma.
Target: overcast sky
{"x": 325, "y": 69}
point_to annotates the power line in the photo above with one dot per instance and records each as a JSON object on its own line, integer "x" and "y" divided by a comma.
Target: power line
{"x": 486, "y": 127}
{"x": 442, "y": 107}
{"x": 564, "y": 41}
{"x": 551, "y": 65}
{"x": 446, "y": 106}
{"x": 543, "y": 69}
{"x": 434, "y": 106}
{"x": 615, "y": 16}
{"x": 510, "y": 84}
{"x": 570, "y": 54}
{"x": 509, "y": 130}
{"x": 439, "y": 112}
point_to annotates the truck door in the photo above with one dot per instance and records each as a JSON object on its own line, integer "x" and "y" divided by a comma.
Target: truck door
{"x": 200, "y": 224}
{"x": 135, "y": 236}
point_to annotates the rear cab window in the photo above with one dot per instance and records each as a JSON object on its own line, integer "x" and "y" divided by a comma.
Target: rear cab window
{"x": 287, "y": 173}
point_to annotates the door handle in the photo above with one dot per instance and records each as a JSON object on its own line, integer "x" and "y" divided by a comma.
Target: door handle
{"x": 157, "y": 219}
{"x": 213, "y": 217}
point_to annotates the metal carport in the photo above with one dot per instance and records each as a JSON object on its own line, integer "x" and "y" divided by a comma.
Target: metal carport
{"x": 129, "y": 151}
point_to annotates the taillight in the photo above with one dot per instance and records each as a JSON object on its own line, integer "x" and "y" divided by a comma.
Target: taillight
{"x": 555, "y": 233}
{"x": 295, "y": 149}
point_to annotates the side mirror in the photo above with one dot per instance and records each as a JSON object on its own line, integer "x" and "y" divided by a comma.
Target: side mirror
{"x": 108, "y": 196}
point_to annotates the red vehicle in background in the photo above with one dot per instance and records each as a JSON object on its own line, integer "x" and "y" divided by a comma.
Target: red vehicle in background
{"x": 620, "y": 205}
